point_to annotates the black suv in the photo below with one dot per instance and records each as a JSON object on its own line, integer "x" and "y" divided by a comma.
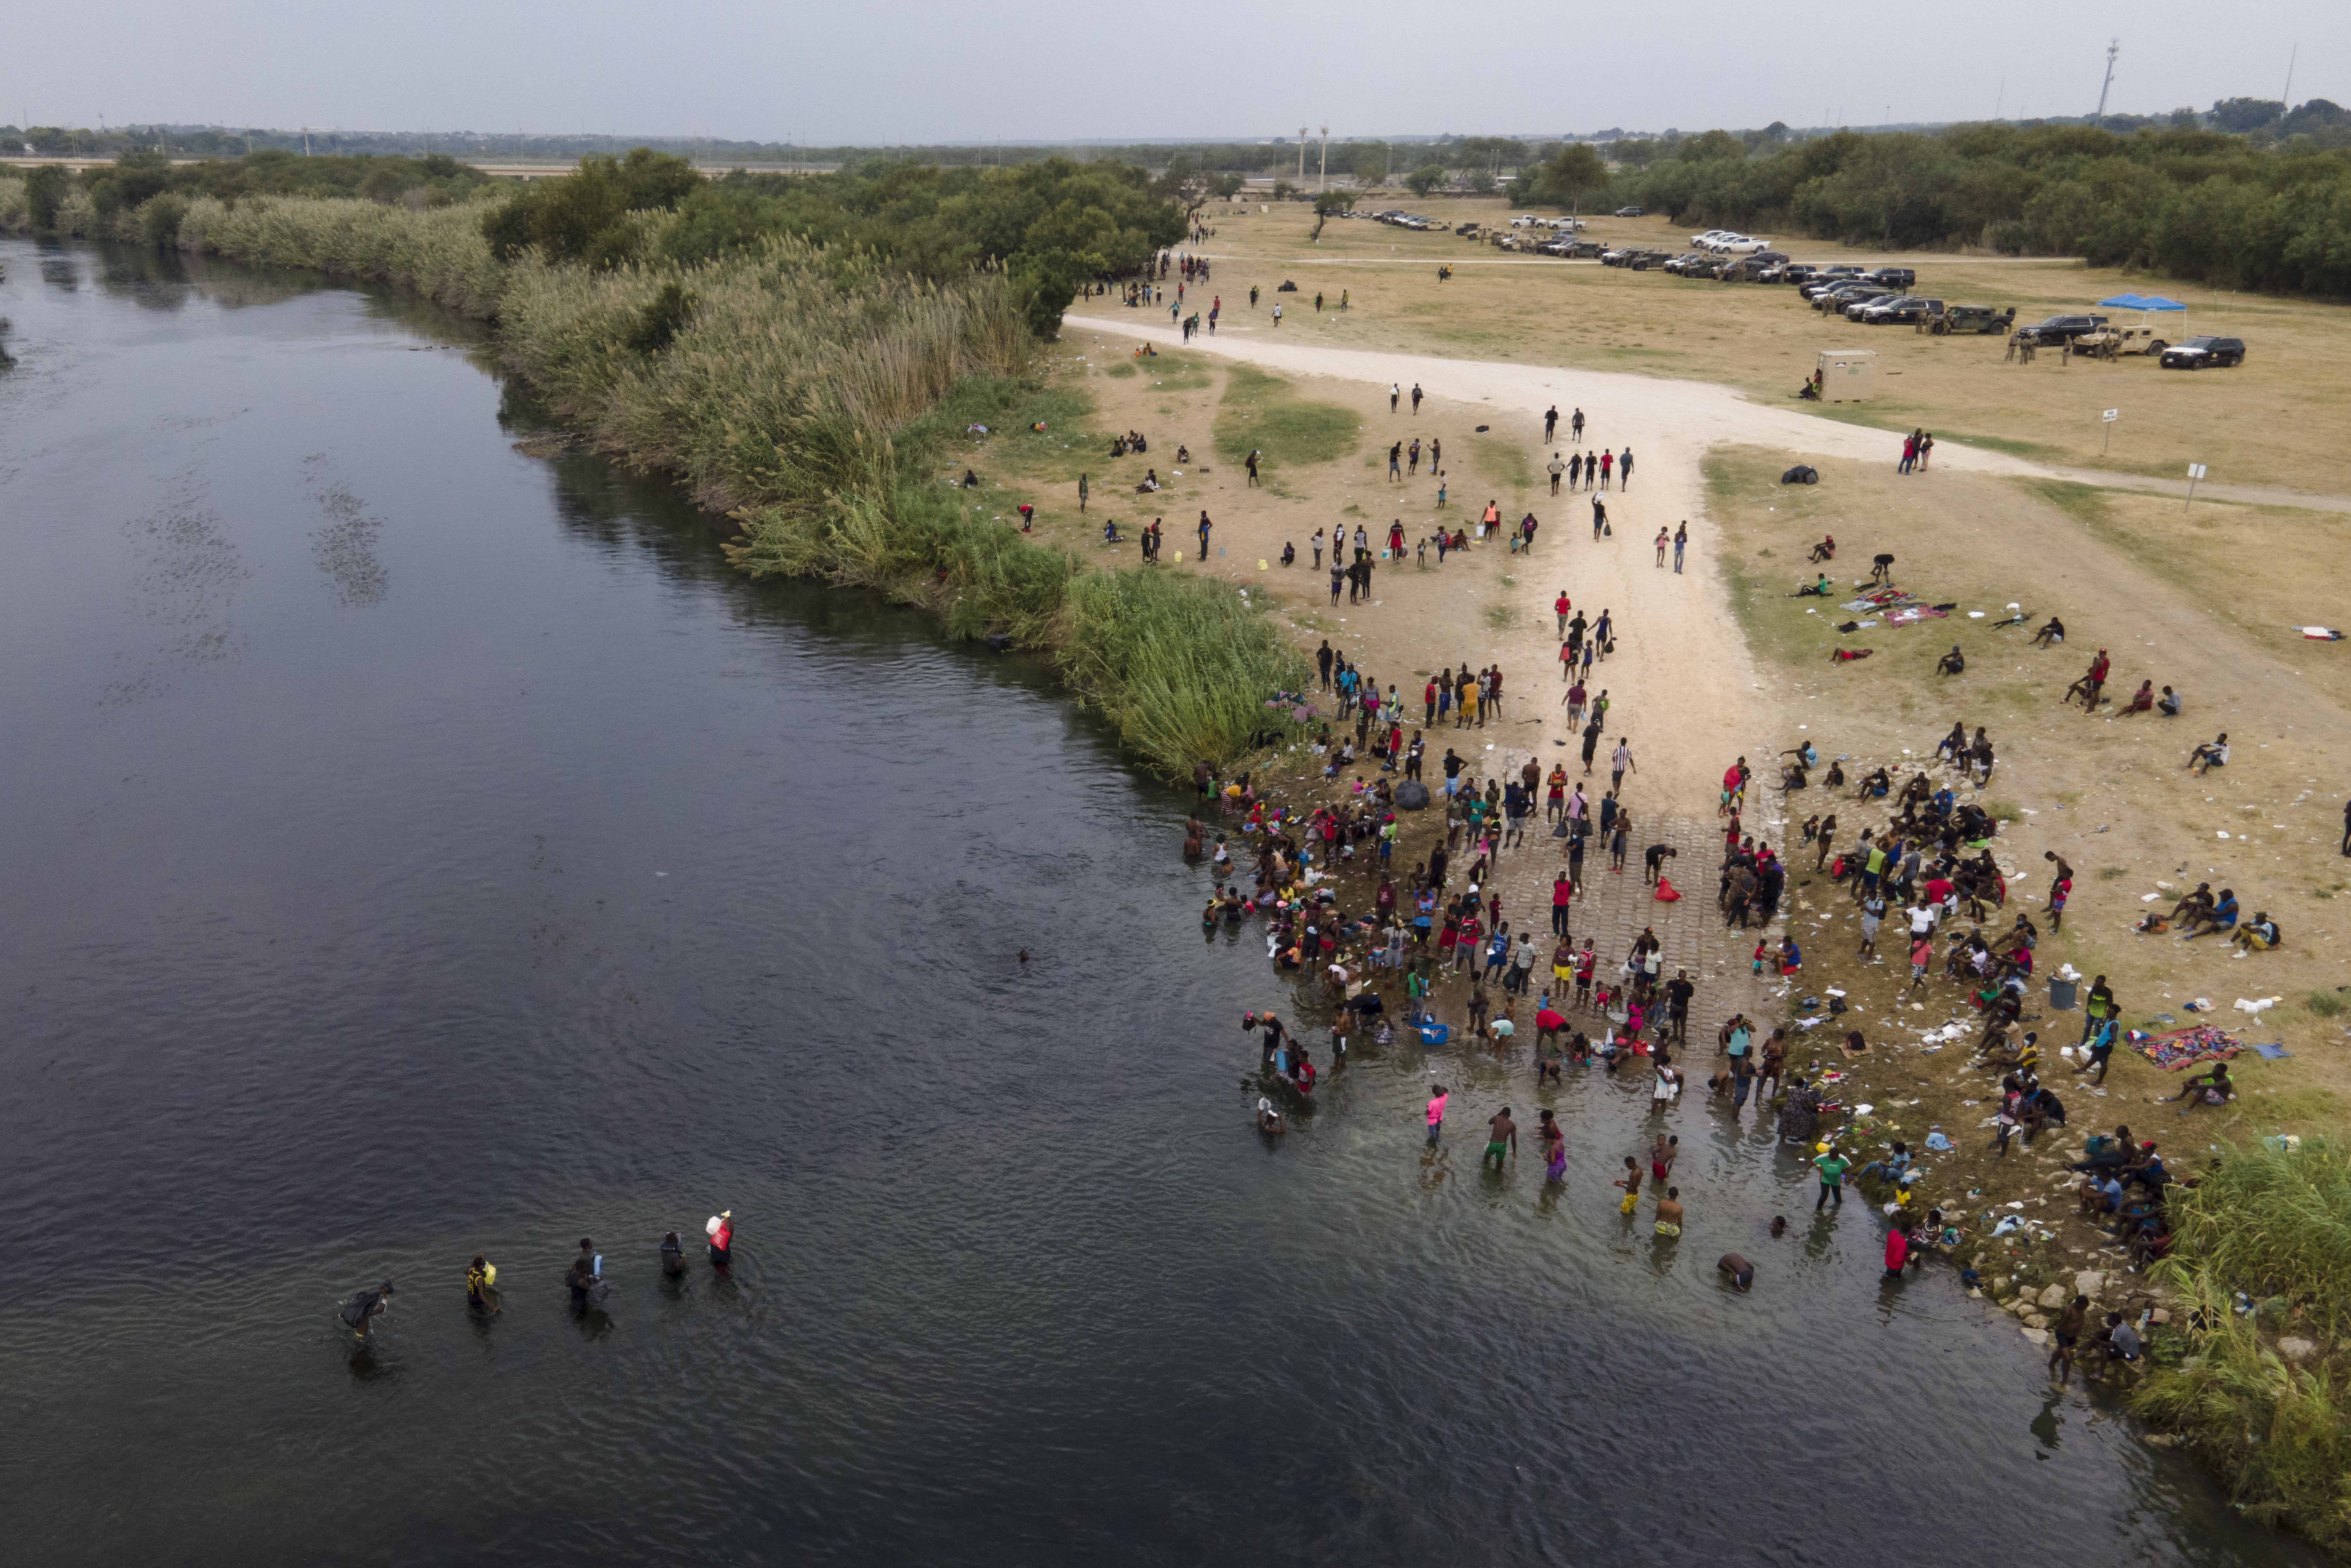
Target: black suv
{"x": 2058, "y": 329}
{"x": 1900, "y": 277}
{"x": 2199, "y": 352}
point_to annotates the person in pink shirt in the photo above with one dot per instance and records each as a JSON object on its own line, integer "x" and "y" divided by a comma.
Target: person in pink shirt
{"x": 1435, "y": 1113}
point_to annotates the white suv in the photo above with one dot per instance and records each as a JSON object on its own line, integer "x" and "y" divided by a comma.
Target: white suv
{"x": 1740, "y": 244}
{"x": 1708, "y": 240}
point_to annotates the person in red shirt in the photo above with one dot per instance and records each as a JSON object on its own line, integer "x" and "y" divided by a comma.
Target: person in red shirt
{"x": 1561, "y": 607}
{"x": 1429, "y": 696}
{"x": 1897, "y": 1250}
{"x": 722, "y": 1239}
{"x": 2095, "y": 679}
{"x": 1563, "y": 894}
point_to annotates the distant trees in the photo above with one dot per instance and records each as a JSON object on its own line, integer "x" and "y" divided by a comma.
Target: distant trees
{"x": 1569, "y": 175}
{"x": 583, "y": 216}
{"x": 2226, "y": 209}
{"x": 1425, "y": 179}
{"x": 1326, "y": 203}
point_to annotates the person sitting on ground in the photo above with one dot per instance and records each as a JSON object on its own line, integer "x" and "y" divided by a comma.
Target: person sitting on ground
{"x": 2197, "y": 906}
{"x": 1183, "y": 453}
{"x": 1150, "y": 482}
{"x": 2051, "y": 634}
{"x": 971, "y": 480}
{"x": 2207, "y": 1088}
{"x": 2169, "y": 704}
{"x": 2142, "y": 700}
{"x": 2258, "y": 935}
{"x": 1815, "y": 590}
{"x": 1952, "y": 663}
{"x": 2221, "y": 917}
{"x": 1825, "y": 550}
{"x": 1288, "y": 553}
{"x": 2210, "y": 755}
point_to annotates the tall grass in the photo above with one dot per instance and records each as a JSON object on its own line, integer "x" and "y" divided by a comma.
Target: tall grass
{"x": 2274, "y": 1223}
{"x": 806, "y": 390}
{"x": 15, "y": 213}
{"x": 438, "y": 253}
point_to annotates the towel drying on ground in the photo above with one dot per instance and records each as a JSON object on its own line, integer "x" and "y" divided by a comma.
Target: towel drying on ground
{"x": 2186, "y": 1046}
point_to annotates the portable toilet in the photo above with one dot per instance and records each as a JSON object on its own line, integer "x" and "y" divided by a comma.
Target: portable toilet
{"x": 1847, "y": 375}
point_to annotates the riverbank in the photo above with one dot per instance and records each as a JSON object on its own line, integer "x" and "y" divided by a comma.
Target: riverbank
{"x": 806, "y": 395}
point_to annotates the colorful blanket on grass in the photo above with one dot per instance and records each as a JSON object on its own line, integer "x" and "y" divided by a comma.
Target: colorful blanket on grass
{"x": 2186, "y": 1046}
{"x": 1911, "y": 615}
{"x": 1879, "y": 599}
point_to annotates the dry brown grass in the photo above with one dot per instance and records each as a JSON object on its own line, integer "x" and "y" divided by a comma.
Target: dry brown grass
{"x": 2274, "y": 420}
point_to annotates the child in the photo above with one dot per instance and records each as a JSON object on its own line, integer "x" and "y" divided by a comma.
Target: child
{"x": 1758, "y": 957}
{"x": 1631, "y": 1181}
{"x": 1586, "y": 962}
{"x": 1922, "y": 954}
{"x": 1554, "y": 1143}
{"x": 2057, "y": 897}
{"x": 1661, "y": 1155}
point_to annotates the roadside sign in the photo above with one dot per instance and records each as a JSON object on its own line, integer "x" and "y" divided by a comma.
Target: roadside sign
{"x": 2196, "y": 470}
{"x": 2113, "y": 414}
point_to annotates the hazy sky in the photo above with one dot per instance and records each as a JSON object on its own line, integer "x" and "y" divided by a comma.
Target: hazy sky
{"x": 894, "y": 70}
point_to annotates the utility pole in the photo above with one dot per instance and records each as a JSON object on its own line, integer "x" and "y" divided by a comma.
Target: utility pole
{"x": 2286, "y": 107}
{"x": 1301, "y": 155}
{"x": 1322, "y": 170}
{"x": 2113, "y": 47}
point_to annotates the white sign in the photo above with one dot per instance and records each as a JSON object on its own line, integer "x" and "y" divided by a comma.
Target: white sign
{"x": 2196, "y": 470}
{"x": 2112, "y": 414}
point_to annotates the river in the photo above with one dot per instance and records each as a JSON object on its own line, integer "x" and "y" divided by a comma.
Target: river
{"x": 415, "y": 847}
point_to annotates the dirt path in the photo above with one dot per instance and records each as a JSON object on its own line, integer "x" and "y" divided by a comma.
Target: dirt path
{"x": 1683, "y": 687}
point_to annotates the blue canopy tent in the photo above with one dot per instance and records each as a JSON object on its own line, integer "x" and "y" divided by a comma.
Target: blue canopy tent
{"x": 2140, "y": 302}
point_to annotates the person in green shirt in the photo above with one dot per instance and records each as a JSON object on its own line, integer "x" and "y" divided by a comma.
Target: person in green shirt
{"x": 1831, "y": 1166}
{"x": 2098, "y": 1007}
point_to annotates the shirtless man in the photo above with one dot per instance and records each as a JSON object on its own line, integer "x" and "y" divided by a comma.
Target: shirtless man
{"x": 1740, "y": 1272}
{"x": 1502, "y": 1137}
{"x": 1670, "y": 1213}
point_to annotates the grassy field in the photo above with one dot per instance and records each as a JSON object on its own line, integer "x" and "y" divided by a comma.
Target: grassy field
{"x": 2270, "y": 422}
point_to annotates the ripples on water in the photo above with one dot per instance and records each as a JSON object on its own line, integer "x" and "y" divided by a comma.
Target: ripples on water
{"x": 417, "y": 847}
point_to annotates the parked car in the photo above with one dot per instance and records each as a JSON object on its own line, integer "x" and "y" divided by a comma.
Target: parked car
{"x": 1629, "y": 212}
{"x": 1763, "y": 266}
{"x": 1892, "y": 277}
{"x": 1903, "y": 310}
{"x": 1978, "y": 320}
{"x": 1837, "y": 300}
{"x": 2197, "y": 353}
{"x": 1525, "y": 221}
{"x": 1743, "y": 244}
{"x": 2057, "y": 329}
{"x": 1568, "y": 246}
{"x": 1829, "y": 281}
{"x": 1646, "y": 260}
{"x": 1684, "y": 261}
{"x": 1700, "y": 241}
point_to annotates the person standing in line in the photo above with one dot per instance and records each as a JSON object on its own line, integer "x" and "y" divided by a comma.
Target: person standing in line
{"x": 1575, "y": 427}
{"x": 1551, "y": 425}
{"x": 1607, "y": 460}
{"x": 1590, "y": 470}
{"x": 1624, "y": 470}
{"x": 1416, "y": 399}
{"x": 1556, "y": 469}
{"x": 1574, "y": 471}
{"x": 1562, "y": 607}
{"x": 1681, "y": 539}
{"x": 1620, "y": 762}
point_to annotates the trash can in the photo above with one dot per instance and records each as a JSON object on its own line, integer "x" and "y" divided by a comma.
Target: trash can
{"x": 2061, "y": 994}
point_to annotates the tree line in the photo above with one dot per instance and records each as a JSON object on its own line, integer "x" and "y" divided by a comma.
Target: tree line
{"x": 2239, "y": 211}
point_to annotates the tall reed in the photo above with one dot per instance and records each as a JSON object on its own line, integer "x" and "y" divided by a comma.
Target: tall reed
{"x": 438, "y": 253}
{"x": 2273, "y": 1223}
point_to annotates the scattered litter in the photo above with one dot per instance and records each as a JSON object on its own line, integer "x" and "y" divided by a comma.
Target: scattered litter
{"x": 2274, "y": 1052}
{"x": 2257, "y": 1008}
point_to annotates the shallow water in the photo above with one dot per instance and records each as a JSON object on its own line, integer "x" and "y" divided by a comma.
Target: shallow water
{"x": 416, "y": 848}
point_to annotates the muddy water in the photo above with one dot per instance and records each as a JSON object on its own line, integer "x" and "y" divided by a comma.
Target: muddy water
{"x": 415, "y": 847}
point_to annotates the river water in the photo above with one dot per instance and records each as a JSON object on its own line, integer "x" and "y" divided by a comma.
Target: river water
{"x": 415, "y": 847}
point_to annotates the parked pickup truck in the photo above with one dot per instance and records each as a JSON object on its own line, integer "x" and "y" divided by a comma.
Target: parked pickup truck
{"x": 1901, "y": 310}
